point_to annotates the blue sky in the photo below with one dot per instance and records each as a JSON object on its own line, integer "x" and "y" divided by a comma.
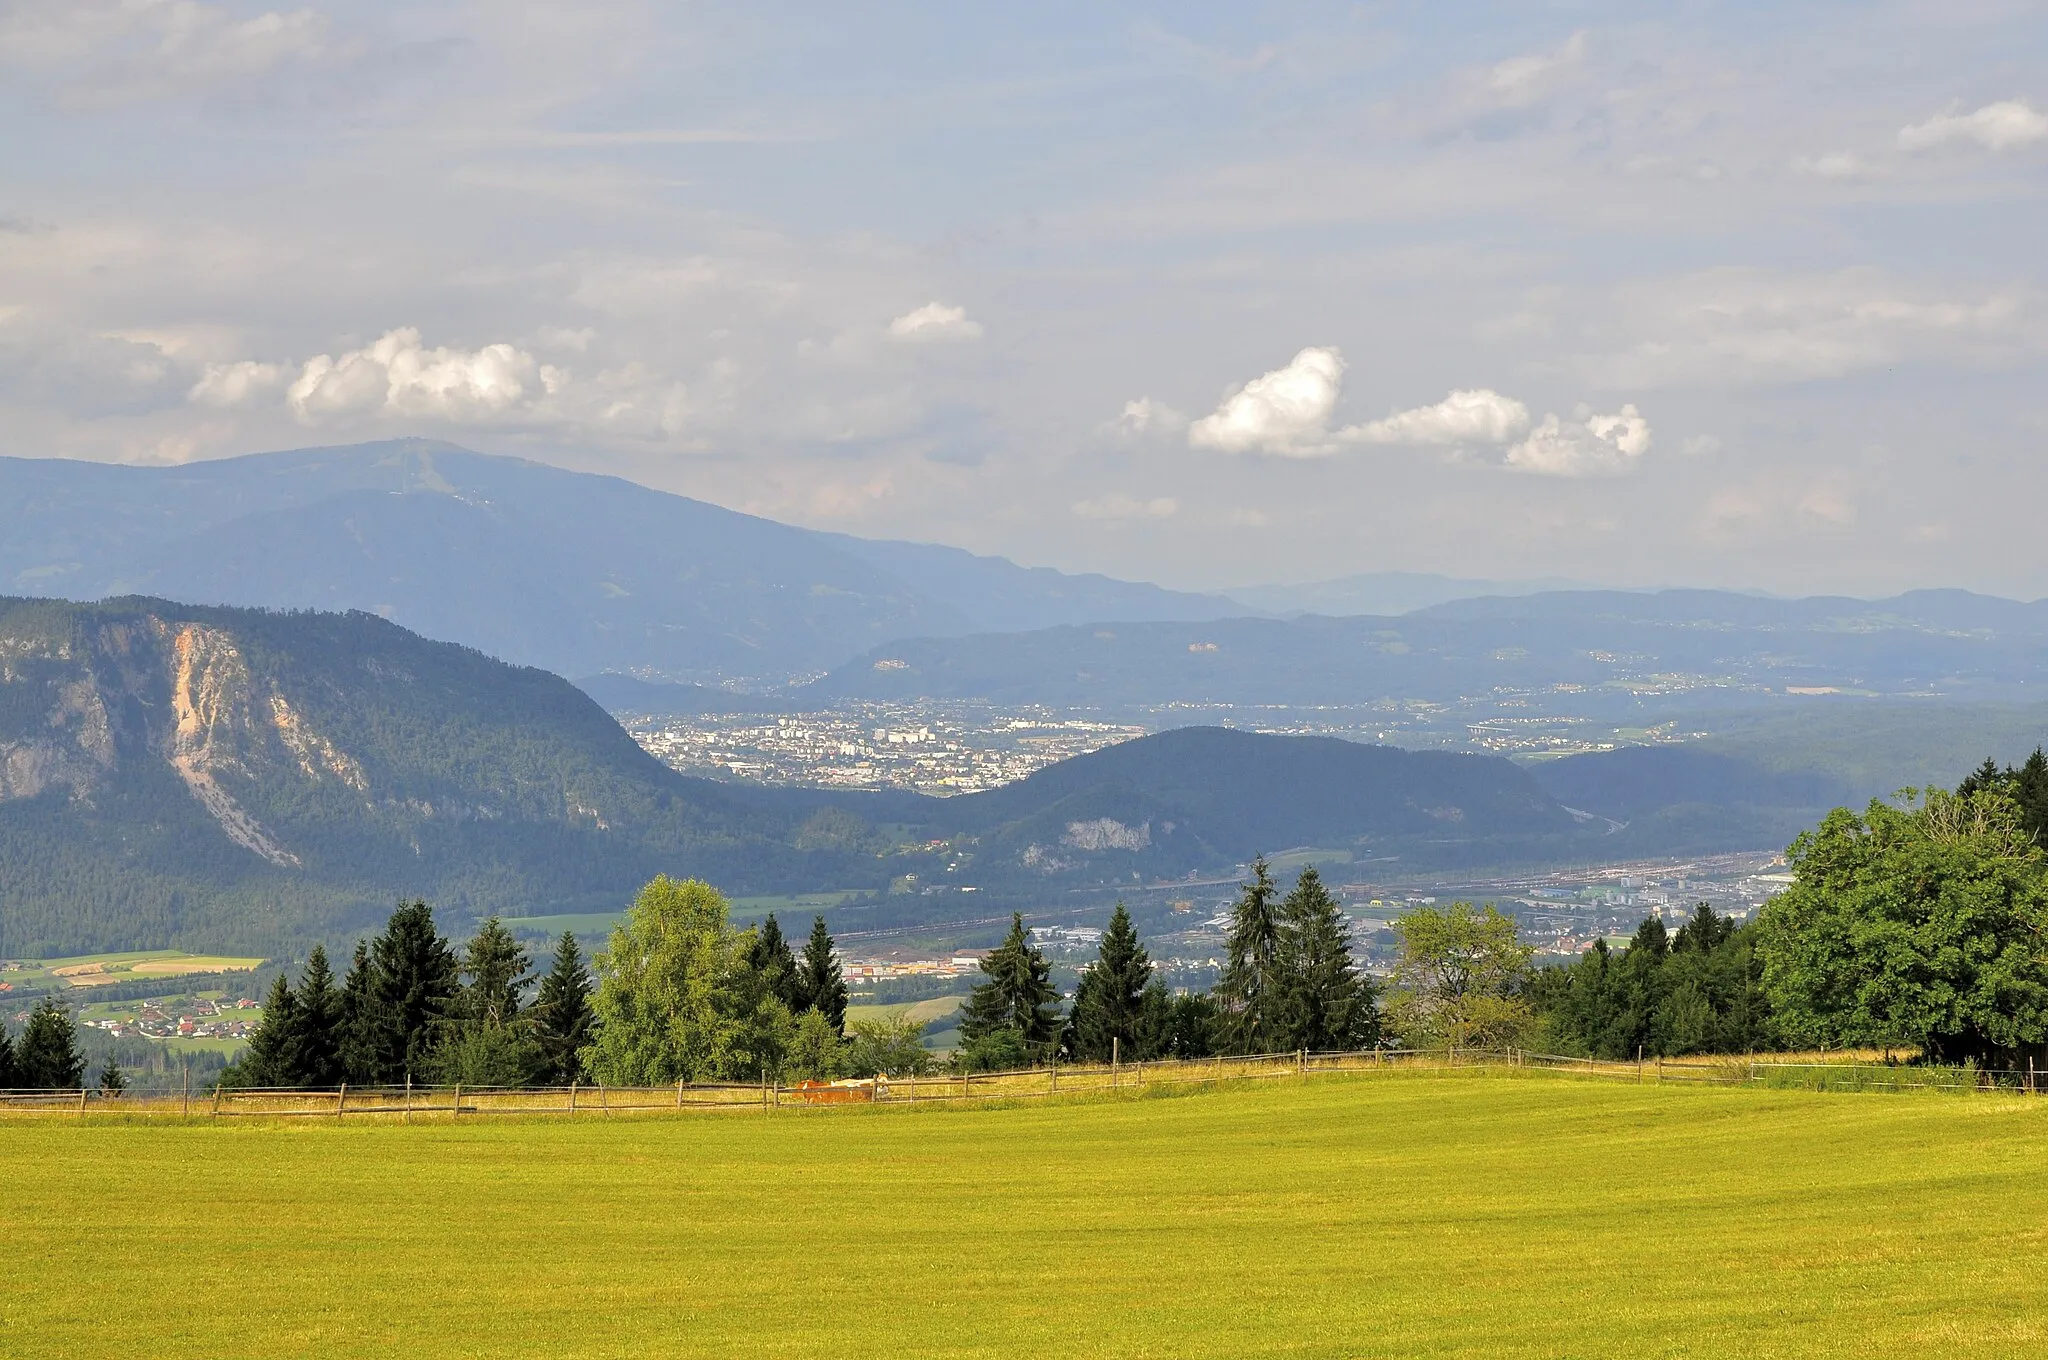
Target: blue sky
{"x": 1212, "y": 295}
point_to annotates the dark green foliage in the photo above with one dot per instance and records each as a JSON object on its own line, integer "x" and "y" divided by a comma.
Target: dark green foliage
{"x": 562, "y": 1016}
{"x": 998, "y": 1050}
{"x": 7, "y": 1067}
{"x": 113, "y": 1081}
{"x": 268, "y": 1061}
{"x": 47, "y": 1058}
{"x": 2025, "y": 784}
{"x": 1249, "y": 994}
{"x": 313, "y": 1052}
{"x": 770, "y": 959}
{"x": 496, "y": 969}
{"x": 1326, "y": 1003}
{"x": 1701, "y": 993}
{"x": 1018, "y": 998}
{"x": 1188, "y": 1028}
{"x": 1917, "y": 926}
{"x": 886, "y": 1048}
{"x": 358, "y": 1036}
{"x": 819, "y": 984}
{"x": 413, "y": 987}
{"x": 1109, "y": 1004}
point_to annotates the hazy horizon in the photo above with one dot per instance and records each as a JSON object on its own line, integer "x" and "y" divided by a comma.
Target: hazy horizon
{"x": 1737, "y": 298}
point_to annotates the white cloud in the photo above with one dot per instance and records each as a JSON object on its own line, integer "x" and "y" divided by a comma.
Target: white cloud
{"x": 1589, "y": 445}
{"x": 1518, "y": 80}
{"x": 1285, "y": 413}
{"x": 236, "y": 384}
{"x": 935, "y": 323}
{"x": 399, "y": 376}
{"x": 1474, "y": 416}
{"x": 1836, "y": 165}
{"x": 1117, "y": 506}
{"x": 2002, "y": 126}
{"x": 1145, "y": 418}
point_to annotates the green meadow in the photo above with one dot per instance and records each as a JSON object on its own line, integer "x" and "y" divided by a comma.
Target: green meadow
{"x": 1447, "y": 1214}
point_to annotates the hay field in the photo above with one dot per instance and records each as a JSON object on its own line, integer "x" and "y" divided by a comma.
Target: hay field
{"x": 1461, "y": 1213}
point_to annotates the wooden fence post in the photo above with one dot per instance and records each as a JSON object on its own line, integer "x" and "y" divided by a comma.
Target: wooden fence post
{"x": 408, "y": 1097}
{"x": 455, "y": 1110}
{"x": 81, "y": 1096}
{"x": 340, "y": 1100}
{"x": 1115, "y": 1061}
{"x": 216, "y": 1100}
{"x": 1300, "y": 1062}
{"x": 604, "y": 1100}
{"x": 186, "y": 1109}
{"x": 679, "y": 1093}
{"x": 572, "y": 1094}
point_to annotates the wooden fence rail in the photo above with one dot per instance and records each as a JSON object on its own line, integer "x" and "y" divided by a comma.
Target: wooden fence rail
{"x": 407, "y": 1103}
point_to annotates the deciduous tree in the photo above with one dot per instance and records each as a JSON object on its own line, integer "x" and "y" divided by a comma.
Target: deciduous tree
{"x": 665, "y": 993}
{"x": 1921, "y": 925}
{"x": 1458, "y": 977}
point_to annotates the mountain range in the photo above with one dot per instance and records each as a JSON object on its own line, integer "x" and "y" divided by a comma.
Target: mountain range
{"x": 225, "y": 778}
{"x": 569, "y": 571}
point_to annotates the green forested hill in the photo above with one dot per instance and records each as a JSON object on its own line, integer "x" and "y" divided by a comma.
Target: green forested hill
{"x": 173, "y": 774}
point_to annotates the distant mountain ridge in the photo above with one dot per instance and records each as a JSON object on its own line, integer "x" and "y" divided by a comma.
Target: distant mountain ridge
{"x": 1383, "y": 593}
{"x": 533, "y": 564}
{"x": 1607, "y": 649}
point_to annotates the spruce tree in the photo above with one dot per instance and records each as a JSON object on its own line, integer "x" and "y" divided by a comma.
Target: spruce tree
{"x": 1108, "y": 1014}
{"x": 47, "y": 1058}
{"x": 113, "y": 1081}
{"x": 358, "y": 1031}
{"x": 413, "y": 988}
{"x": 273, "y": 1048}
{"x": 562, "y": 1015}
{"x": 770, "y": 958}
{"x": 9, "y": 1078}
{"x": 1249, "y": 993}
{"x": 1328, "y": 1003}
{"x": 1018, "y": 996}
{"x": 820, "y": 985}
{"x": 496, "y": 968}
{"x": 314, "y": 1057}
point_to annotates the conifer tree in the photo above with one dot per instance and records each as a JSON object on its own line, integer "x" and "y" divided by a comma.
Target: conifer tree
{"x": 272, "y": 1048}
{"x": 313, "y": 1058}
{"x": 1249, "y": 994}
{"x": 1109, "y": 1004}
{"x": 358, "y": 1042}
{"x": 47, "y": 1058}
{"x": 8, "y": 1077}
{"x": 496, "y": 968}
{"x": 412, "y": 991}
{"x": 1018, "y": 996}
{"x": 113, "y": 1081}
{"x": 562, "y": 1015}
{"x": 769, "y": 957}
{"x": 820, "y": 985}
{"x": 1328, "y": 1004}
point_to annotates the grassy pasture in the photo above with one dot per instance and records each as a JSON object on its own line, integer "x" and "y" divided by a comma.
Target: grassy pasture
{"x": 924, "y": 1012}
{"x": 1456, "y": 1213}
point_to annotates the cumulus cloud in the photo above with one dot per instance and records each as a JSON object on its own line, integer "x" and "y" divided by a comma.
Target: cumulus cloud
{"x": 1284, "y": 413}
{"x": 1588, "y": 445}
{"x": 398, "y": 375}
{"x": 236, "y": 384}
{"x": 2003, "y": 126}
{"x": 935, "y": 322}
{"x": 1475, "y": 416}
{"x": 1118, "y": 506}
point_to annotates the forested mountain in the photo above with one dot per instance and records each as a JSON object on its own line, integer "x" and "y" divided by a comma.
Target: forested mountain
{"x": 530, "y": 563}
{"x": 1605, "y": 649}
{"x": 1210, "y": 798}
{"x": 172, "y": 774}
{"x": 1381, "y": 592}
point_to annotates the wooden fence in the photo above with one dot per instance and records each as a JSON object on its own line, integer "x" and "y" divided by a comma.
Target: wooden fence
{"x": 410, "y": 1103}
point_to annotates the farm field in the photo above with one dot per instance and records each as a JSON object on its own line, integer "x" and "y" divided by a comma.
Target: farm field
{"x": 924, "y": 1012}
{"x": 99, "y": 970}
{"x": 1453, "y": 1214}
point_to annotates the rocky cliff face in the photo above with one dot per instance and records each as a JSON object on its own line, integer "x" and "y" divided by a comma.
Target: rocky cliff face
{"x": 88, "y": 700}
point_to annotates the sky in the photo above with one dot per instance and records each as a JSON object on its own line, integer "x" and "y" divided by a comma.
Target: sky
{"x": 1744, "y": 295}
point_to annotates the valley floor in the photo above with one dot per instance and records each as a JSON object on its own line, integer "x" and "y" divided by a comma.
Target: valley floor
{"x": 1449, "y": 1213}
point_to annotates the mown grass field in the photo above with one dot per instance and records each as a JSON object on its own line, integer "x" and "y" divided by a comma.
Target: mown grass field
{"x": 1414, "y": 1214}
{"x": 135, "y": 965}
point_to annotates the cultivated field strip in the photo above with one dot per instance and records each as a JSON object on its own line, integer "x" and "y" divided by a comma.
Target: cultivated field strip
{"x": 409, "y": 1103}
